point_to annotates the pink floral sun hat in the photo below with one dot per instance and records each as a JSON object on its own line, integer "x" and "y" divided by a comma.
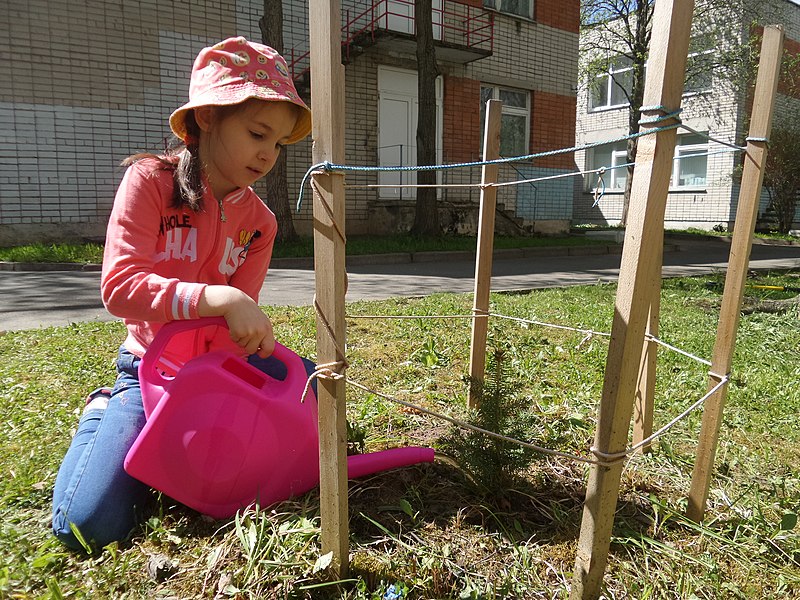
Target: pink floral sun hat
{"x": 235, "y": 70}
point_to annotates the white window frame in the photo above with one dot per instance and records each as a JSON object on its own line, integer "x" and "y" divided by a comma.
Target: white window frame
{"x": 516, "y": 111}
{"x": 608, "y": 86}
{"x": 614, "y": 177}
{"x": 399, "y": 16}
{"x": 688, "y": 150}
{"x": 501, "y": 6}
{"x": 619, "y": 175}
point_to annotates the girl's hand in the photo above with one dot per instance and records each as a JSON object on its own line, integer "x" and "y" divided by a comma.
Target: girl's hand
{"x": 249, "y": 327}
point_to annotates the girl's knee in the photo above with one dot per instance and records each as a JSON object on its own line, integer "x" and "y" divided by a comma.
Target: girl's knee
{"x": 74, "y": 535}
{"x": 64, "y": 533}
{"x": 91, "y": 532}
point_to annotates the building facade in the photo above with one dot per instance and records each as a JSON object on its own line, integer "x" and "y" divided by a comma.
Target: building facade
{"x": 704, "y": 187}
{"x": 89, "y": 83}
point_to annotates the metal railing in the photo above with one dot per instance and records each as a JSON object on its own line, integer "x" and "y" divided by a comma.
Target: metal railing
{"x": 454, "y": 22}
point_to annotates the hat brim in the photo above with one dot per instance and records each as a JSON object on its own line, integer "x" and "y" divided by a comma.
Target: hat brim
{"x": 177, "y": 120}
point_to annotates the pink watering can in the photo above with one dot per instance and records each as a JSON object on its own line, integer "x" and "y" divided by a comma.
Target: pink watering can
{"x": 221, "y": 434}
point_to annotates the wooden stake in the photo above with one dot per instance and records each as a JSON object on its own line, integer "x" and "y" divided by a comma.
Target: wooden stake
{"x": 746, "y": 214}
{"x": 640, "y": 263}
{"x": 644, "y": 403}
{"x": 483, "y": 260}
{"x": 327, "y": 102}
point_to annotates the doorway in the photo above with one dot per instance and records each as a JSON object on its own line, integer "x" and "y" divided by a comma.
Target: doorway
{"x": 397, "y": 129}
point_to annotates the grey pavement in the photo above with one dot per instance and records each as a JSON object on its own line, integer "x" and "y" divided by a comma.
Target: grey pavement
{"x": 31, "y": 299}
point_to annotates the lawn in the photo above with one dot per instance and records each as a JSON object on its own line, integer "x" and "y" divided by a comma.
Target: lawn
{"x": 92, "y": 252}
{"x": 449, "y": 529}
{"x": 304, "y": 247}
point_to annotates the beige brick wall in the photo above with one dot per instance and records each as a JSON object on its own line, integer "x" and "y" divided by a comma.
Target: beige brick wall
{"x": 87, "y": 84}
{"x": 526, "y": 55}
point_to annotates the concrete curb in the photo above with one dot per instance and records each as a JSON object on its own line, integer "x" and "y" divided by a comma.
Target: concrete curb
{"x": 26, "y": 266}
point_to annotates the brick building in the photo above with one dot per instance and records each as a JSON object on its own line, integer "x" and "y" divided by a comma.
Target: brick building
{"x": 89, "y": 83}
{"x": 704, "y": 189}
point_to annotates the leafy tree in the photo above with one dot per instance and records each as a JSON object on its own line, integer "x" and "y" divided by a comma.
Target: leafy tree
{"x": 277, "y": 189}
{"x": 782, "y": 173}
{"x": 619, "y": 31}
{"x": 426, "y": 215}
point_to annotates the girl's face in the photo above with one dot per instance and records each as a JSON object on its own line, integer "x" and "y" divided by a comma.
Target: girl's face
{"x": 240, "y": 144}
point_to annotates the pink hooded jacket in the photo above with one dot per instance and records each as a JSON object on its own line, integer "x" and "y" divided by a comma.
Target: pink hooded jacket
{"x": 158, "y": 259}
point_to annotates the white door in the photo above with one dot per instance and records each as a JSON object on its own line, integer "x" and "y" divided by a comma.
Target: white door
{"x": 400, "y": 17}
{"x": 397, "y": 129}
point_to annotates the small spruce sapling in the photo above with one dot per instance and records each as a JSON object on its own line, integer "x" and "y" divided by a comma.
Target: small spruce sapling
{"x": 494, "y": 464}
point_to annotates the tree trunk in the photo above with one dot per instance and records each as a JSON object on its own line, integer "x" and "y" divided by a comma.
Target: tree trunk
{"x": 634, "y": 114}
{"x": 639, "y": 47}
{"x": 426, "y": 216}
{"x": 277, "y": 189}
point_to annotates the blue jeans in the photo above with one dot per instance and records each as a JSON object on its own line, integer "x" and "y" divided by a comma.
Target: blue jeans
{"x": 93, "y": 493}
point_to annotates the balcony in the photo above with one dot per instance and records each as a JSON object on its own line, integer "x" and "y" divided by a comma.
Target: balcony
{"x": 462, "y": 32}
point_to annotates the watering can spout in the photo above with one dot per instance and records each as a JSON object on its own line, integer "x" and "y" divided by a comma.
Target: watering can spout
{"x": 360, "y": 465}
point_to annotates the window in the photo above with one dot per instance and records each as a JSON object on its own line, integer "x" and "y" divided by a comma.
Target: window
{"x": 515, "y": 119}
{"x": 689, "y": 169}
{"x": 691, "y": 164}
{"x": 699, "y": 69}
{"x": 519, "y": 8}
{"x": 611, "y": 89}
{"x": 610, "y": 156}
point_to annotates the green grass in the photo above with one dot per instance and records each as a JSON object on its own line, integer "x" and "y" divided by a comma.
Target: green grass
{"x": 54, "y": 253}
{"x": 766, "y": 235}
{"x": 303, "y": 247}
{"x": 356, "y": 245}
{"x": 429, "y": 530}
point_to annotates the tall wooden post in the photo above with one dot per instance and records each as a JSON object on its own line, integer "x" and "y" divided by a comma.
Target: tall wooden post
{"x": 746, "y": 214}
{"x": 640, "y": 262}
{"x": 483, "y": 261}
{"x": 327, "y": 104}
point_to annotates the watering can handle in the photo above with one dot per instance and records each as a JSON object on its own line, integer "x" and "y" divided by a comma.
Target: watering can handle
{"x": 153, "y": 382}
{"x": 150, "y": 359}
{"x": 172, "y": 328}
{"x": 164, "y": 335}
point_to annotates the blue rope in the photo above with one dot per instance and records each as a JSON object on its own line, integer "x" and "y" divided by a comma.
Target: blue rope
{"x": 330, "y": 167}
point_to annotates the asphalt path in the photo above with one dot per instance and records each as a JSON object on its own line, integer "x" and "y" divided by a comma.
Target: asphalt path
{"x": 32, "y": 299}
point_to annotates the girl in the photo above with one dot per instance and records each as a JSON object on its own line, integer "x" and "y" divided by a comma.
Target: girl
{"x": 187, "y": 238}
